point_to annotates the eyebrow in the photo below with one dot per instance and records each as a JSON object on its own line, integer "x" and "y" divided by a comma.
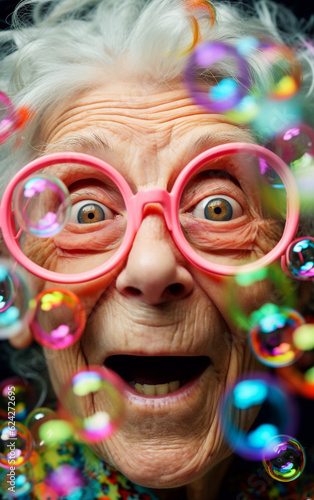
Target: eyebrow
{"x": 210, "y": 139}
{"x": 78, "y": 143}
{"x": 94, "y": 141}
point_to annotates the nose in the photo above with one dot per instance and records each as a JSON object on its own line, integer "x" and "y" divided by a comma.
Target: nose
{"x": 154, "y": 271}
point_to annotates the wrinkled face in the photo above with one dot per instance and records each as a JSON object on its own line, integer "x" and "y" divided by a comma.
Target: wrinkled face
{"x": 157, "y": 320}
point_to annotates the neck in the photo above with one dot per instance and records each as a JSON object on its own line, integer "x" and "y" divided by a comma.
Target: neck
{"x": 205, "y": 488}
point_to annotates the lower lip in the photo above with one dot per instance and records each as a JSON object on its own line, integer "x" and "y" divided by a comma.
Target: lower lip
{"x": 186, "y": 392}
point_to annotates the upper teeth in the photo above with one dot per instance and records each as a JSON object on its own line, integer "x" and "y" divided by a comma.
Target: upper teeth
{"x": 158, "y": 389}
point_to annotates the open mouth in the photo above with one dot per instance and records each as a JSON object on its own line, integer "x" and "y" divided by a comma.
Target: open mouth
{"x": 157, "y": 375}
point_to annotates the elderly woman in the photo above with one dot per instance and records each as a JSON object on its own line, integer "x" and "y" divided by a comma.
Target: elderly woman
{"x": 105, "y": 78}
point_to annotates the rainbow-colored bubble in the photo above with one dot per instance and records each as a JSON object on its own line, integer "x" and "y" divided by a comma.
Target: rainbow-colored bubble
{"x": 24, "y": 397}
{"x": 42, "y": 205}
{"x": 299, "y": 259}
{"x": 245, "y": 434}
{"x": 271, "y": 337}
{"x": 284, "y": 458}
{"x": 16, "y": 445}
{"x": 92, "y": 400}
{"x": 59, "y": 319}
{"x": 47, "y": 428}
{"x": 15, "y": 301}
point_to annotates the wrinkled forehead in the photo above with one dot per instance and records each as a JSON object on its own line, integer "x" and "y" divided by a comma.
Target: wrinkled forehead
{"x": 148, "y": 138}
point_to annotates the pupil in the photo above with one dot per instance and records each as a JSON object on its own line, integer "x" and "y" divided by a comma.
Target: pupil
{"x": 90, "y": 213}
{"x": 218, "y": 209}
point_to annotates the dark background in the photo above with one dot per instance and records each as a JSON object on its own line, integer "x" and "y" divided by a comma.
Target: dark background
{"x": 302, "y": 8}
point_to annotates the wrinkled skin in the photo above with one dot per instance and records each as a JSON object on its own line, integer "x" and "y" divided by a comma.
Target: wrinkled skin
{"x": 151, "y": 138}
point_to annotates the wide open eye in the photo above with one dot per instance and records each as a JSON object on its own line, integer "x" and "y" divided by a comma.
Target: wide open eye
{"x": 90, "y": 212}
{"x": 218, "y": 208}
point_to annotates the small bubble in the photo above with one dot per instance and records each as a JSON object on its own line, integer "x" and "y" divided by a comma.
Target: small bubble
{"x": 93, "y": 402}
{"x": 42, "y": 205}
{"x": 284, "y": 458}
{"x": 271, "y": 337}
{"x": 15, "y": 445}
{"x": 59, "y": 319}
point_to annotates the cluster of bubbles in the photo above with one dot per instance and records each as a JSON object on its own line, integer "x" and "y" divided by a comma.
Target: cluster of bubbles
{"x": 91, "y": 409}
{"x": 57, "y": 320}
{"x": 241, "y": 101}
{"x": 55, "y": 316}
{"x": 241, "y": 405}
{"x": 92, "y": 405}
{"x": 268, "y": 439}
{"x": 279, "y": 337}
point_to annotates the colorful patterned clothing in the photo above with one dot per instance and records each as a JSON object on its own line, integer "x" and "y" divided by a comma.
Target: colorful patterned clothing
{"x": 71, "y": 471}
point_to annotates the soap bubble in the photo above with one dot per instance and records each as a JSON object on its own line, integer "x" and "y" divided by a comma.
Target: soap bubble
{"x": 15, "y": 445}
{"x": 240, "y": 406}
{"x": 15, "y": 301}
{"x": 93, "y": 402}
{"x": 284, "y": 458}
{"x": 47, "y": 428}
{"x": 283, "y": 70}
{"x": 42, "y": 205}
{"x": 299, "y": 259}
{"x": 299, "y": 377}
{"x": 24, "y": 397}
{"x": 7, "y": 289}
{"x": 225, "y": 94}
{"x": 271, "y": 337}
{"x": 295, "y": 146}
{"x": 59, "y": 319}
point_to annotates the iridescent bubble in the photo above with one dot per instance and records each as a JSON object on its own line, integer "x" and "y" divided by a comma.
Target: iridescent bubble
{"x": 42, "y": 205}
{"x": 295, "y": 146}
{"x": 280, "y": 290}
{"x": 271, "y": 337}
{"x": 213, "y": 96}
{"x": 299, "y": 259}
{"x": 284, "y": 458}
{"x": 23, "y": 394}
{"x": 260, "y": 395}
{"x": 299, "y": 377}
{"x": 59, "y": 319}
{"x": 283, "y": 71}
{"x": 15, "y": 301}
{"x": 93, "y": 402}
{"x": 47, "y": 428}
{"x": 7, "y": 289}
{"x": 16, "y": 444}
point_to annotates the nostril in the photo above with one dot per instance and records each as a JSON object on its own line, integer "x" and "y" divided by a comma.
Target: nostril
{"x": 176, "y": 288}
{"x": 133, "y": 291}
